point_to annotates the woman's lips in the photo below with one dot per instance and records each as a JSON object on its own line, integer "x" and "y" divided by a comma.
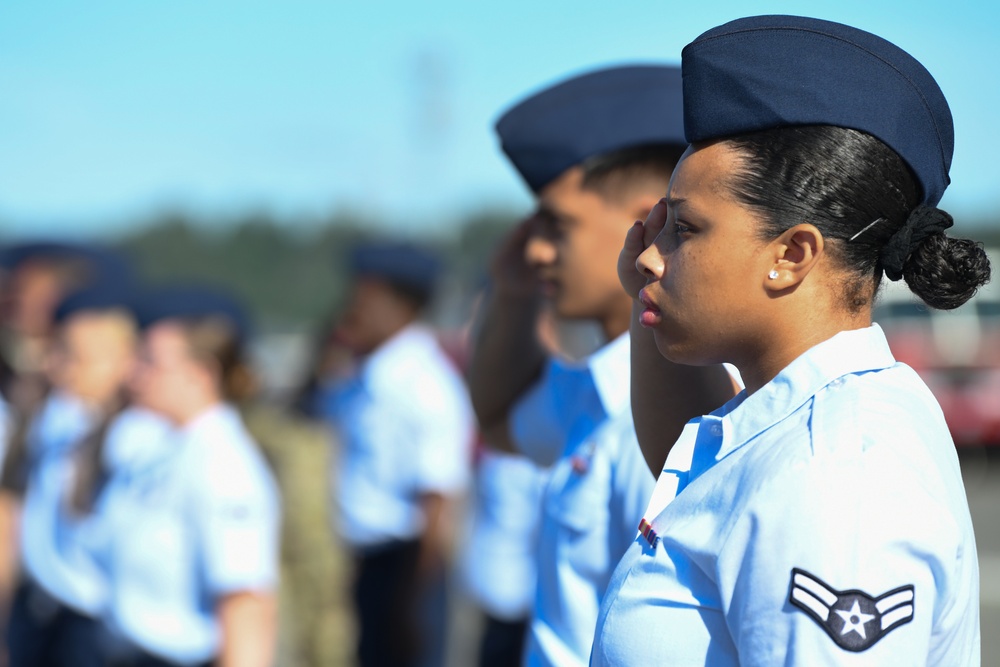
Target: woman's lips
{"x": 650, "y": 315}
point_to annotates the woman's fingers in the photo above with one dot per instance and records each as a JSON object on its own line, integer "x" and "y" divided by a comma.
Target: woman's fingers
{"x": 655, "y": 222}
{"x": 628, "y": 274}
{"x": 635, "y": 239}
{"x": 639, "y": 237}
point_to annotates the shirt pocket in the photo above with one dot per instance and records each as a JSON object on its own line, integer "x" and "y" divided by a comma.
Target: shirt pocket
{"x": 579, "y": 492}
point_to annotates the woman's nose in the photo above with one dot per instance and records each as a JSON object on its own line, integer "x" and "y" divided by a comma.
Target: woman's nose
{"x": 650, "y": 263}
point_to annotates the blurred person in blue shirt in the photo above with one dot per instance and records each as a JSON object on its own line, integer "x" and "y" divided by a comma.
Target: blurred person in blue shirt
{"x": 56, "y": 610}
{"x": 193, "y": 518}
{"x": 34, "y": 278}
{"x": 497, "y": 552}
{"x": 499, "y": 560}
{"x": 405, "y": 426}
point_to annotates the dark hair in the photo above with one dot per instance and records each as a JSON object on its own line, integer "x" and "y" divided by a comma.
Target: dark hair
{"x": 14, "y": 469}
{"x": 91, "y": 472}
{"x": 842, "y": 181}
{"x": 27, "y": 401}
{"x": 418, "y": 296}
{"x": 611, "y": 174}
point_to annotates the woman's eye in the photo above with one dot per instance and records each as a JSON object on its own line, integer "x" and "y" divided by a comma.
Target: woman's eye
{"x": 681, "y": 228}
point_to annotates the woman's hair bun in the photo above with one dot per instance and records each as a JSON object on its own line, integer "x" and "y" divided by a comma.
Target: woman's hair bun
{"x": 945, "y": 272}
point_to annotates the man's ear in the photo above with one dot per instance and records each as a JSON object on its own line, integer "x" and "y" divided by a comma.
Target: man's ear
{"x": 795, "y": 253}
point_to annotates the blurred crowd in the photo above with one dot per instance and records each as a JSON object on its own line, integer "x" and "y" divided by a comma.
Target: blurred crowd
{"x": 156, "y": 510}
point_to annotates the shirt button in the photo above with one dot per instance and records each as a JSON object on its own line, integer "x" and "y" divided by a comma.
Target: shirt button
{"x": 716, "y": 429}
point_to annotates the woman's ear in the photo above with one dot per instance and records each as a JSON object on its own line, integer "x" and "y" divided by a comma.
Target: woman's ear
{"x": 796, "y": 252}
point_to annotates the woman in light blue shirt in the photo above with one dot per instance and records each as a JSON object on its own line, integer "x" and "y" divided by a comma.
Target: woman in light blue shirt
{"x": 819, "y": 517}
{"x": 193, "y": 541}
{"x": 54, "y": 617}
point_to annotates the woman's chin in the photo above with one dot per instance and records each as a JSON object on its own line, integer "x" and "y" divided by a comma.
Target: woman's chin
{"x": 678, "y": 349}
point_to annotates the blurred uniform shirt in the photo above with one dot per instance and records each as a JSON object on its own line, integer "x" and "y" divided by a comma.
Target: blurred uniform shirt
{"x": 499, "y": 559}
{"x": 190, "y": 522}
{"x": 59, "y": 547}
{"x": 4, "y": 429}
{"x": 822, "y": 520}
{"x": 580, "y": 414}
{"x": 406, "y": 426}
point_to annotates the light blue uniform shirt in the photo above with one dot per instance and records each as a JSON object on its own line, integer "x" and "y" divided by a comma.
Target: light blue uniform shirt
{"x": 406, "y": 428}
{"x": 820, "y": 521}
{"x": 579, "y": 416}
{"x": 498, "y": 560}
{"x": 4, "y": 428}
{"x": 57, "y": 545}
{"x": 137, "y": 438}
{"x": 194, "y": 518}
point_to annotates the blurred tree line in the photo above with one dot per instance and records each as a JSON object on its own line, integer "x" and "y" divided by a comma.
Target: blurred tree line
{"x": 294, "y": 277}
{"x": 291, "y": 277}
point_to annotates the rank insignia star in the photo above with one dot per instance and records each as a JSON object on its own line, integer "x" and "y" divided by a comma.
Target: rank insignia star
{"x": 853, "y": 619}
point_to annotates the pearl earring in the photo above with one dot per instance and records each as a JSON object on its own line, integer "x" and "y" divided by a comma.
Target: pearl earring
{"x": 773, "y": 275}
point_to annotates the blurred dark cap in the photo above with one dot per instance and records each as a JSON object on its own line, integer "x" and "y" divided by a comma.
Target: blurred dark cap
{"x": 408, "y": 268}
{"x": 592, "y": 114}
{"x": 102, "y": 297}
{"x": 190, "y": 302}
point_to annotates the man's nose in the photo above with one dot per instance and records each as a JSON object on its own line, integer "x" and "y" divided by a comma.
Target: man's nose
{"x": 539, "y": 251}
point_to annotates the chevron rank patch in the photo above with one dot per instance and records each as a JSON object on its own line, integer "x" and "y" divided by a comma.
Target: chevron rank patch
{"x": 854, "y": 619}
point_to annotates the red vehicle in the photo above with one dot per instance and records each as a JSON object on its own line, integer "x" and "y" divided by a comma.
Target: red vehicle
{"x": 957, "y": 353}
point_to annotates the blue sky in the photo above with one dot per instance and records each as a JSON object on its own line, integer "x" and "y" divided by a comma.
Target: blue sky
{"x": 111, "y": 111}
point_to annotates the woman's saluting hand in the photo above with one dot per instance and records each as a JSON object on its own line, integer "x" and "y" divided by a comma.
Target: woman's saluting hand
{"x": 639, "y": 237}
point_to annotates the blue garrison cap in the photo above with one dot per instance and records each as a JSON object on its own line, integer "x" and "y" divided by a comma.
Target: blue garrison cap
{"x": 765, "y": 72}
{"x": 189, "y": 302}
{"x": 401, "y": 264}
{"x": 106, "y": 265}
{"x": 103, "y": 296}
{"x": 591, "y": 114}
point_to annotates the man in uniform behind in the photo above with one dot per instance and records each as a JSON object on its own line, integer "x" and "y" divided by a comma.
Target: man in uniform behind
{"x": 405, "y": 425}
{"x": 597, "y": 150}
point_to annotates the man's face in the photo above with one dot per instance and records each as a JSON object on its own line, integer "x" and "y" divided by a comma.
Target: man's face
{"x": 94, "y": 354}
{"x": 34, "y": 291}
{"x": 575, "y": 245}
{"x": 374, "y": 312}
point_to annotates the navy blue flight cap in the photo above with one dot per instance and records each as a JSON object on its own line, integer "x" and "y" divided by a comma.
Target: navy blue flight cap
{"x": 402, "y": 264}
{"x": 101, "y": 297}
{"x": 766, "y": 72}
{"x": 192, "y": 302}
{"x": 592, "y": 114}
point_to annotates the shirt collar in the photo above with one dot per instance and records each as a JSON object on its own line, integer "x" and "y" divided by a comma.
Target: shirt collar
{"x": 216, "y": 413}
{"x": 64, "y": 419}
{"x": 398, "y": 347}
{"x": 846, "y": 353}
{"x": 595, "y": 387}
{"x": 611, "y": 369}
